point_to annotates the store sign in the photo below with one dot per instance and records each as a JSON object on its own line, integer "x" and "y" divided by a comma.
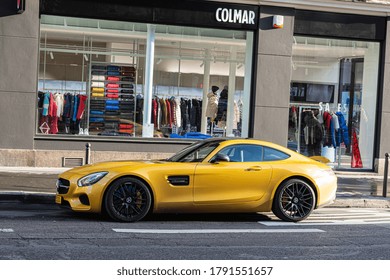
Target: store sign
{"x": 20, "y": 6}
{"x": 235, "y": 16}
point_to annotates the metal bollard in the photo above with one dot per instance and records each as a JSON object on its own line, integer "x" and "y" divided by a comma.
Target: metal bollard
{"x": 385, "y": 175}
{"x": 88, "y": 153}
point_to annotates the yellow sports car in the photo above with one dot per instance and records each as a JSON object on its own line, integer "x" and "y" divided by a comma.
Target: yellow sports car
{"x": 213, "y": 175}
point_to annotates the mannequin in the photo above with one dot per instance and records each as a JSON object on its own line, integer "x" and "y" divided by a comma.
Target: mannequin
{"x": 212, "y": 105}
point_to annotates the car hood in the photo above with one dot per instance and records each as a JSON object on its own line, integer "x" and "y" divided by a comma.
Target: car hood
{"x": 111, "y": 166}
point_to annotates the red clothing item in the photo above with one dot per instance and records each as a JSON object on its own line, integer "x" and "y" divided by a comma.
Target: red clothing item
{"x": 154, "y": 112}
{"x": 80, "y": 110}
{"x": 112, "y": 91}
{"x": 52, "y": 107}
{"x": 112, "y": 95}
{"x": 110, "y": 85}
{"x": 126, "y": 126}
{"x": 111, "y": 78}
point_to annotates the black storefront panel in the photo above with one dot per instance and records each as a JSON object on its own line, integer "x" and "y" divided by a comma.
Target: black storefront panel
{"x": 336, "y": 25}
{"x": 178, "y": 12}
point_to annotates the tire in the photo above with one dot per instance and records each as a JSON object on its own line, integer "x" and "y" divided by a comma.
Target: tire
{"x": 294, "y": 200}
{"x": 128, "y": 200}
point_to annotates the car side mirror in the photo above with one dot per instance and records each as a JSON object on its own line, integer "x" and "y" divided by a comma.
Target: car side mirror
{"x": 220, "y": 158}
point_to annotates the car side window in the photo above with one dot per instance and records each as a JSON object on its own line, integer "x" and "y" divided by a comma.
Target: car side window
{"x": 271, "y": 154}
{"x": 243, "y": 153}
{"x": 200, "y": 154}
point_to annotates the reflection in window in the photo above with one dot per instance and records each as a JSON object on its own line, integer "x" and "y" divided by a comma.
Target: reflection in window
{"x": 104, "y": 62}
{"x": 333, "y": 85}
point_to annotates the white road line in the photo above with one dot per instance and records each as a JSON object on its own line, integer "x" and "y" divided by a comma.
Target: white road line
{"x": 329, "y": 223}
{"x": 6, "y": 230}
{"x": 200, "y": 231}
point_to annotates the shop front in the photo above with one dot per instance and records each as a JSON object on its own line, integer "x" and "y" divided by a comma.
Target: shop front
{"x": 143, "y": 79}
{"x": 336, "y": 62}
{"x": 144, "y": 70}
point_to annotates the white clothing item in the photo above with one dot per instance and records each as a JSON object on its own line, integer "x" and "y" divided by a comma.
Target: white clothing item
{"x": 98, "y": 77}
{"x": 335, "y": 121}
{"x": 97, "y": 84}
{"x": 178, "y": 113}
{"x": 59, "y": 100}
{"x": 212, "y": 105}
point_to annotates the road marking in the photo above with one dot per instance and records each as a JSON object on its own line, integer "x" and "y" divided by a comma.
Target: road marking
{"x": 6, "y": 230}
{"x": 194, "y": 231}
{"x": 325, "y": 223}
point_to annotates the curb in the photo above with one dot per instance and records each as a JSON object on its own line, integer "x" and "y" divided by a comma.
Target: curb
{"x": 28, "y": 197}
{"x": 341, "y": 202}
{"x": 363, "y": 202}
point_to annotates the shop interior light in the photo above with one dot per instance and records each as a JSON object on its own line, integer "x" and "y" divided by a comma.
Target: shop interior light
{"x": 201, "y": 65}
{"x": 85, "y": 57}
{"x": 159, "y": 61}
{"x": 51, "y": 55}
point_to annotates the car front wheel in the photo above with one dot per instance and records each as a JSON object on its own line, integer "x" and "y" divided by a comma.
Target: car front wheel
{"x": 294, "y": 200}
{"x": 128, "y": 200}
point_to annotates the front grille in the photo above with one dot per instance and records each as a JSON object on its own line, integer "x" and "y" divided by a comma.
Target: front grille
{"x": 63, "y": 186}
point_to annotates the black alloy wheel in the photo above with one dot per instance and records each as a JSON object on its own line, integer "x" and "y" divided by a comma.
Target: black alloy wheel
{"x": 294, "y": 201}
{"x": 128, "y": 200}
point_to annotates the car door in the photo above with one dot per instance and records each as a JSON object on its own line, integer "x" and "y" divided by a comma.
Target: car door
{"x": 244, "y": 178}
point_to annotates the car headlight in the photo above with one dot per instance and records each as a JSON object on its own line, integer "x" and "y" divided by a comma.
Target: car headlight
{"x": 91, "y": 179}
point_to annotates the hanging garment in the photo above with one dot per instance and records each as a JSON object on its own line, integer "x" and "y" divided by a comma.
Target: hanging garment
{"x": 59, "y": 100}
{"x": 343, "y": 135}
{"x": 81, "y": 108}
{"x": 76, "y": 106}
{"x": 212, "y": 105}
{"x": 46, "y": 103}
{"x": 356, "y": 159}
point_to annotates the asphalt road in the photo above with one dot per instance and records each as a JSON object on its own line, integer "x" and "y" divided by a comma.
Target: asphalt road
{"x": 46, "y": 232}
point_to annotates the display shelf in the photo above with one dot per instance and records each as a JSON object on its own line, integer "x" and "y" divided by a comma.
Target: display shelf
{"x": 112, "y": 106}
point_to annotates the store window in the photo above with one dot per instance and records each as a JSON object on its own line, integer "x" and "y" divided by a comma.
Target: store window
{"x": 333, "y": 100}
{"x": 92, "y": 80}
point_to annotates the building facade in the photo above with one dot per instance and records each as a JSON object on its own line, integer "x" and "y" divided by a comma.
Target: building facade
{"x": 143, "y": 79}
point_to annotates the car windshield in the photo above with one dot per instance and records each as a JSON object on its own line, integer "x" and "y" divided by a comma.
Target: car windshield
{"x": 196, "y": 152}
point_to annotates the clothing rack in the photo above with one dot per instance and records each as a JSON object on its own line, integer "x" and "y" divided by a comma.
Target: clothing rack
{"x": 301, "y": 109}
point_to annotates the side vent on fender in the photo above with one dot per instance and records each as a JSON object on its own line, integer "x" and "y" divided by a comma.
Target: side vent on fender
{"x": 180, "y": 180}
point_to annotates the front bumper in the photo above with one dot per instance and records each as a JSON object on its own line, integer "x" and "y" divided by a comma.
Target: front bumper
{"x": 80, "y": 199}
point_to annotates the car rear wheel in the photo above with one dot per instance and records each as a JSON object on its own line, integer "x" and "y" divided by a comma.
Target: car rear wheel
{"x": 128, "y": 200}
{"x": 294, "y": 200}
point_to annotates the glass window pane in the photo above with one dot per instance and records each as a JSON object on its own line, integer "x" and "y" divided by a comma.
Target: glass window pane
{"x": 334, "y": 86}
{"x": 92, "y": 58}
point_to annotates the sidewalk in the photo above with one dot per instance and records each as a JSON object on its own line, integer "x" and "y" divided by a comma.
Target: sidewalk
{"x": 38, "y": 185}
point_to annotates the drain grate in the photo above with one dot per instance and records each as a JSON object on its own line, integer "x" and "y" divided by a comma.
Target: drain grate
{"x": 72, "y": 161}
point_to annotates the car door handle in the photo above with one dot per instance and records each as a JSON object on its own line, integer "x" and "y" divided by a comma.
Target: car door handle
{"x": 254, "y": 168}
